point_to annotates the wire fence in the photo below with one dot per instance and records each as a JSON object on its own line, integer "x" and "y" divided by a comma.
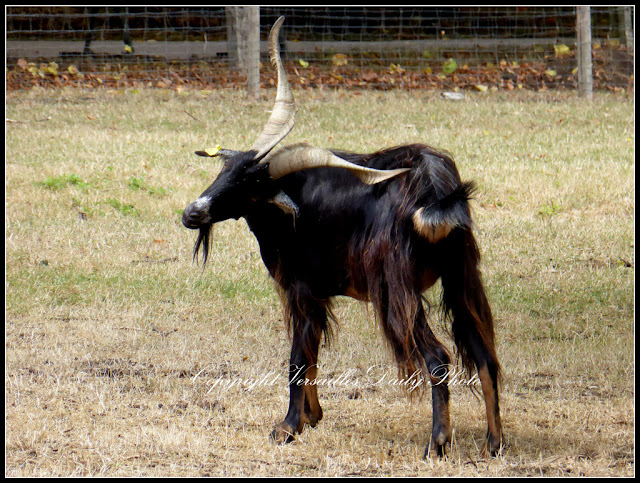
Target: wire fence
{"x": 504, "y": 48}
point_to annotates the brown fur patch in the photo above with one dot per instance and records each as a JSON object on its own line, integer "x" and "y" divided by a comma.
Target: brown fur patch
{"x": 355, "y": 294}
{"x": 494, "y": 439}
{"x": 312, "y": 412}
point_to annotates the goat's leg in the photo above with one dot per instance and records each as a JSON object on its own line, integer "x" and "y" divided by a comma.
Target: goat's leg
{"x": 487, "y": 373}
{"x": 464, "y": 297}
{"x": 437, "y": 362}
{"x": 483, "y": 354}
{"x": 488, "y": 368}
{"x": 396, "y": 316}
{"x": 304, "y": 407}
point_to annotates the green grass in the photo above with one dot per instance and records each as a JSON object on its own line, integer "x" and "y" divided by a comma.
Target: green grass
{"x": 108, "y": 320}
{"x": 59, "y": 182}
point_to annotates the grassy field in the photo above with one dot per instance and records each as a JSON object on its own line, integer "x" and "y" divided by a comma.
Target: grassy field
{"x": 124, "y": 358}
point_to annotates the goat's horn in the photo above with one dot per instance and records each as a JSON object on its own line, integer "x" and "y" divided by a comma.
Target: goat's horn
{"x": 284, "y": 110}
{"x": 298, "y": 157}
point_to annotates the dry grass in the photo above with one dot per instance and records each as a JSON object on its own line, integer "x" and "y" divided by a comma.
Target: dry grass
{"x": 115, "y": 340}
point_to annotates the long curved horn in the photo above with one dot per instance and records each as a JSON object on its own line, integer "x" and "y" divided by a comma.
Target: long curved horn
{"x": 298, "y": 157}
{"x": 284, "y": 110}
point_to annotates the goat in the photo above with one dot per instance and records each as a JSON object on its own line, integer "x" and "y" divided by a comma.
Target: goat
{"x": 382, "y": 228}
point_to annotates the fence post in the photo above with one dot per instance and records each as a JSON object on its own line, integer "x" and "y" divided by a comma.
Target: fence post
{"x": 583, "y": 34}
{"x": 243, "y": 30}
{"x": 628, "y": 30}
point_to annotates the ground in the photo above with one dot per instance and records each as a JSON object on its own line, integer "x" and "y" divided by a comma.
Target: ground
{"x": 125, "y": 358}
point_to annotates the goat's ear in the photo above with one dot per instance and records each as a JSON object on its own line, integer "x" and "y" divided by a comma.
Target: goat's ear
{"x": 286, "y": 204}
{"x": 217, "y": 152}
{"x": 210, "y": 152}
{"x": 204, "y": 154}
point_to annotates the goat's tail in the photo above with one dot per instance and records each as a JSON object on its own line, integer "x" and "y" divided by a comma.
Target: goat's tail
{"x": 465, "y": 303}
{"x": 436, "y": 220}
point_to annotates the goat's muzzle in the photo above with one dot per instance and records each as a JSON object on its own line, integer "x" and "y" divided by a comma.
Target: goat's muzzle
{"x": 194, "y": 216}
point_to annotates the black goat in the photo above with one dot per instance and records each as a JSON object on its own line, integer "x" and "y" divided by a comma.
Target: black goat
{"x": 380, "y": 227}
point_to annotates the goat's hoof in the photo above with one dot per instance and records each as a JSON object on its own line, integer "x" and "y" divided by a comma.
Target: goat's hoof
{"x": 492, "y": 447}
{"x": 435, "y": 450}
{"x": 312, "y": 418}
{"x": 438, "y": 446}
{"x": 282, "y": 434}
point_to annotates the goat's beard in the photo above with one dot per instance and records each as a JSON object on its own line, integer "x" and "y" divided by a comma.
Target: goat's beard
{"x": 204, "y": 242}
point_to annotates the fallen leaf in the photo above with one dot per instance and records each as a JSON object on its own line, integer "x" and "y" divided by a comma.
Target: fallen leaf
{"x": 449, "y": 66}
{"x": 52, "y": 68}
{"x": 613, "y": 43}
{"x": 396, "y": 69}
{"x": 369, "y": 76}
{"x": 35, "y": 71}
{"x": 339, "y": 60}
{"x": 561, "y": 50}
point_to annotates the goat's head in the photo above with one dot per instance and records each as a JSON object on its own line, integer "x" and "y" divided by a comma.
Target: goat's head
{"x": 249, "y": 176}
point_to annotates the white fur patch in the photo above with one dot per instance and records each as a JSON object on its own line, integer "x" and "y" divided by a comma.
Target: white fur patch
{"x": 432, "y": 232}
{"x": 202, "y": 203}
{"x": 286, "y": 204}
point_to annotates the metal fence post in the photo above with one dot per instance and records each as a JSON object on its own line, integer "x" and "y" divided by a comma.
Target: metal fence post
{"x": 585, "y": 73}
